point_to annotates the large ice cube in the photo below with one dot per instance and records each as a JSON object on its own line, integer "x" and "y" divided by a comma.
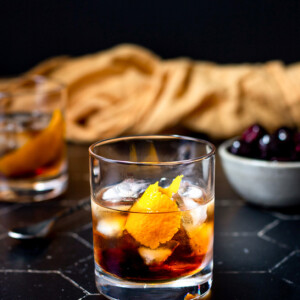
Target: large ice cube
{"x": 188, "y": 190}
{"x": 194, "y": 217}
{"x": 158, "y": 255}
{"x": 112, "y": 226}
{"x": 128, "y": 188}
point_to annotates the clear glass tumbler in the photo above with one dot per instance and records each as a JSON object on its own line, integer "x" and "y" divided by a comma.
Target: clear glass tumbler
{"x": 33, "y": 165}
{"x": 153, "y": 216}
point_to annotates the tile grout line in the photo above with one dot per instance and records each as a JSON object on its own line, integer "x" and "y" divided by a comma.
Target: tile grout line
{"x": 273, "y": 241}
{"x": 236, "y": 234}
{"x": 282, "y": 261}
{"x": 57, "y": 272}
{"x": 84, "y": 297}
{"x": 85, "y": 227}
{"x": 288, "y": 281}
{"x": 28, "y": 271}
{"x": 285, "y": 217}
{"x": 82, "y": 260}
{"x": 268, "y": 227}
{"x": 282, "y": 216}
{"x": 73, "y": 282}
{"x": 228, "y": 203}
{"x": 241, "y": 272}
{"x": 79, "y": 239}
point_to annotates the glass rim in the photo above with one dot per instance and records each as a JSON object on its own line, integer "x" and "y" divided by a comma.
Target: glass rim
{"x": 36, "y": 79}
{"x": 153, "y": 137}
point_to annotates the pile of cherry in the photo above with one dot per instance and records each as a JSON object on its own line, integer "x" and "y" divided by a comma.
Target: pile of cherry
{"x": 256, "y": 142}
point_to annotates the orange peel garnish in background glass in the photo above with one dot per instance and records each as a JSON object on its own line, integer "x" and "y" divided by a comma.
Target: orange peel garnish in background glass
{"x": 151, "y": 157}
{"x": 155, "y": 217}
{"x": 38, "y": 151}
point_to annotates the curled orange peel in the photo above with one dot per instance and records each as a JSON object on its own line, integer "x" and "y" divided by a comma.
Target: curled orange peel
{"x": 155, "y": 217}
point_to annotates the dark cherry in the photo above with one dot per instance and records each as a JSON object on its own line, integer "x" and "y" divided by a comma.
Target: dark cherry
{"x": 285, "y": 134}
{"x": 255, "y": 142}
{"x": 253, "y": 134}
{"x": 297, "y": 138}
{"x": 240, "y": 147}
{"x": 264, "y": 146}
{"x": 283, "y": 142}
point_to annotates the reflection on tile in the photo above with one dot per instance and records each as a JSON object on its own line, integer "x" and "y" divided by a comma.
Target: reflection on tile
{"x": 44, "y": 254}
{"x": 246, "y": 254}
{"x": 37, "y": 286}
{"x": 252, "y": 286}
{"x": 73, "y": 222}
{"x": 240, "y": 219}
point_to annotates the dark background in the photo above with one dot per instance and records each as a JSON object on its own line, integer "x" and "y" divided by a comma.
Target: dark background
{"x": 222, "y": 31}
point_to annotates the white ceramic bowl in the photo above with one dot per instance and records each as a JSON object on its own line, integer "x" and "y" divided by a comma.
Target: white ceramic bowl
{"x": 265, "y": 183}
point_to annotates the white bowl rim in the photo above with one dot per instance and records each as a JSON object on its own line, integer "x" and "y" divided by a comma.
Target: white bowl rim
{"x": 224, "y": 153}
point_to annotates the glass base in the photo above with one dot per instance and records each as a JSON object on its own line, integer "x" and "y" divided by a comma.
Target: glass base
{"x": 33, "y": 190}
{"x": 113, "y": 288}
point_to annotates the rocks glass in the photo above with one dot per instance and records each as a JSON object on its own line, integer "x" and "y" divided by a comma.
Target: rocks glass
{"x": 153, "y": 216}
{"x": 33, "y": 165}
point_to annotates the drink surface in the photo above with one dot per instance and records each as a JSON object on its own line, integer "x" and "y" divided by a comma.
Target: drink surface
{"x": 126, "y": 243}
{"x": 31, "y": 145}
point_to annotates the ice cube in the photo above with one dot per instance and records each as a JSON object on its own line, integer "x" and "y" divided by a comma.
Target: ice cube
{"x": 188, "y": 190}
{"x": 184, "y": 203}
{"x": 194, "y": 217}
{"x": 128, "y": 188}
{"x": 158, "y": 255}
{"x": 112, "y": 226}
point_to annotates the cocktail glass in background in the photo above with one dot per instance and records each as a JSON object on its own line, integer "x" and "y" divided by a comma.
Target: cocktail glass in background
{"x": 153, "y": 215}
{"x": 33, "y": 165}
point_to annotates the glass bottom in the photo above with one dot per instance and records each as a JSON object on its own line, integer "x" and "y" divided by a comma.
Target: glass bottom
{"x": 33, "y": 190}
{"x": 196, "y": 285}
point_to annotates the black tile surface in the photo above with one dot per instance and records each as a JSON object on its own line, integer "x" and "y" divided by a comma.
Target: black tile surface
{"x": 288, "y": 268}
{"x": 86, "y": 232}
{"x": 37, "y": 286}
{"x": 94, "y": 297}
{"x": 246, "y": 253}
{"x": 288, "y": 232}
{"x": 240, "y": 219}
{"x": 256, "y": 250}
{"x": 53, "y": 253}
{"x": 82, "y": 272}
{"x": 252, "y": 286}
